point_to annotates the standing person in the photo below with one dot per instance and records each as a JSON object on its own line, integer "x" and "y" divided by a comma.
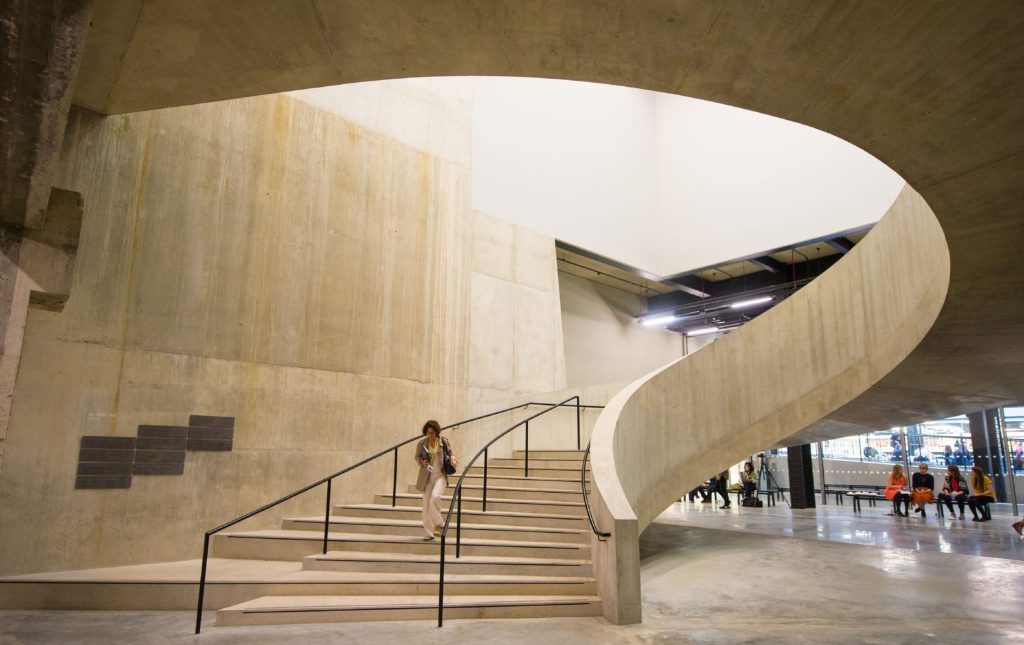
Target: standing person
{"x": 983, "y": 495}
{"x": 896, "y": 491}
{"x": 923, "y": 488}
{"x": 955, "y": 487}
{"x": 432, "y": 480}
{"x": 749, "y": 479}
{"x": 721, "y": 483}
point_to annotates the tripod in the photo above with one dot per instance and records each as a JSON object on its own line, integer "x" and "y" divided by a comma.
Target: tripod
{"x": 762, "y": 471}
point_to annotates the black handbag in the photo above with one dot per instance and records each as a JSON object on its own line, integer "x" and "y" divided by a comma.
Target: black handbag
{"x": 448, "y": 466}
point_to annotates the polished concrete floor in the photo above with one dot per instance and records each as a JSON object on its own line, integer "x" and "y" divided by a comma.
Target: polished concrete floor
{"x": 874, "y": 526}
{"x": 737, "y": 576}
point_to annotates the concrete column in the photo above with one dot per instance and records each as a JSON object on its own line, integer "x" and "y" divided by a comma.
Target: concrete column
{"x": 987, "y": 443}
{"x": 801, "y": 476}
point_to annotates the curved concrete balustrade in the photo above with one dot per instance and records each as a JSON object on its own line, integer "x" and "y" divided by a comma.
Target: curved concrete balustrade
{"x": 760, "y": 385}
{"x": 930, "y": 89}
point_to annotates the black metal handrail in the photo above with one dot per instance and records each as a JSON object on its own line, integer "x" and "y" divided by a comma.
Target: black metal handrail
{"x": 601, "y": 535}
{"x": 329, "y": 479}
{"x": 456, "y": 500}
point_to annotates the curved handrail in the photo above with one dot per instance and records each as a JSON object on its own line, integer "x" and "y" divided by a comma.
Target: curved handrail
{"x": 457, "y": 492}
{"x": 327, "y": 480}
{"x": 601, "y": 535}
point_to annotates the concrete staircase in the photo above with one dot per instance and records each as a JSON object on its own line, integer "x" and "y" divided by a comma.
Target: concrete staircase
{"x": 527, "y": 555}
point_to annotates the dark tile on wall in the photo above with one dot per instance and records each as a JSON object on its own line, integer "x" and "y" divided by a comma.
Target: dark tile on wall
{"x": 158, "y": 468}
{"x": 160, "y": 456}
{"x": 108, "y": 443}
{"x": 209, "y": 444}
{"x": 107, "y": 481}
{"x": 211, "y": 433}
{"x": 161, "y": 443}
{"x": 105, "y": 455}
{"x": 105, "y": 468}
{"x": 199, "y": 420}
{"x": 163, "y": 431}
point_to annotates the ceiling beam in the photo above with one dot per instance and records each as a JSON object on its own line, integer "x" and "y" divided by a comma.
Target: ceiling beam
{"x": 841, "y": 244}
{"x": 769, "y": 264}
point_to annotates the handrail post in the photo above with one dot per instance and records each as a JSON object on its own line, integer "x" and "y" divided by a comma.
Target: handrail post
{"x": 578, "y": 444}
{"x": 440, "y": 587}
{"x": 394, "y": 480}
{"x": 458, "y": 527}
{"x": 484, "y": 506}
{"x": 526, "y": 470}
{"x": 202, "y": 582}
{"x": 327, "y": 513}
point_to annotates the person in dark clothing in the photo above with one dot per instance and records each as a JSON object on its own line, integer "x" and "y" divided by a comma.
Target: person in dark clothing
{"x": 701, "y": 490}
{"x": 922, "y": 489}
{"x": 721, "y": 485}
{"x": 748, "y": 477}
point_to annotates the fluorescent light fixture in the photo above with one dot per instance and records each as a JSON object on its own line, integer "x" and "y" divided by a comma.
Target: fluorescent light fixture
{"x": 700, "y": 331}
{"x": 743, "y": 304}
{"x": 657, "y": 320}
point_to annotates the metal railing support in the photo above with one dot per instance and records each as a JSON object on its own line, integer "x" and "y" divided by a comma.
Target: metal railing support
{"x": 440, "y": 588}
{"x": 458, "y": 528}
{"x": 394, "y": 480}
{"x": 526, "y": 468}
{"x": 327, "y": 513}
{"x": 578, "y": 443}
{"x": 202, "y": 582}
{"x": 484, "y": 505}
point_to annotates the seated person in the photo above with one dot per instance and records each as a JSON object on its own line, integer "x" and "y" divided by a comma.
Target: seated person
{"x": 922, "y": 488}
{"x": 983, "y": 495}
{"x": 748, "y": 478}
{"x": 721, "y": 486}
{"x": 701, "y": 490}
{"x": 955, "y": 487}
{"x": 896, "y": 491}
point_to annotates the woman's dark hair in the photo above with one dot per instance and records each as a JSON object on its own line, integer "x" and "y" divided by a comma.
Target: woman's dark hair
{"x": 954, "y": 470}
{"x": 432, "y": 424}
{"x": 749, "y": 463}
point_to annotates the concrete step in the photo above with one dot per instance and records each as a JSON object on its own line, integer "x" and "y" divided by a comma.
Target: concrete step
{"x": 575, "y": 455}
{"x": 495, "y": 491}
{"x": 413, "y": 563}
{"x": 536, "y": 462}
{"x": 535, "y": 471}
{"x": 476, "y": 503}
{"x": 393, "y": 526}
{"x": 280, "y": 610}
{"x": 282, "y": 544}
{"x": 514, "y": 518}
{"x": 518, "y": 481}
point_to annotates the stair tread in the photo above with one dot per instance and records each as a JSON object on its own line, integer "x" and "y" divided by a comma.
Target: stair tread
{"x": 368, "y": 556}
{"x": 517, "y": 489}
{"x": 502, "y": 500}
{"x": 285, "y": 534}
{"x": 267, "y": 604}
{"x": 465, "y": 511}
{"x": 574, "y": 480}
{"x": 341, "y": 520}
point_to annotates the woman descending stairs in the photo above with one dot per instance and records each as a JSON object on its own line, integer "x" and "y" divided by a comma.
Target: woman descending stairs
{"x": 526, "y": 554}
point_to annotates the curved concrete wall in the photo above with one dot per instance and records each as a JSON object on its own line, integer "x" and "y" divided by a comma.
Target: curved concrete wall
{"x": 777, "y": 375}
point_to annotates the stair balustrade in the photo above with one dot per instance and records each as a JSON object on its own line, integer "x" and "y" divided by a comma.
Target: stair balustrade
{"x": 456, "y": 499}
{"x": 327, "y": 482}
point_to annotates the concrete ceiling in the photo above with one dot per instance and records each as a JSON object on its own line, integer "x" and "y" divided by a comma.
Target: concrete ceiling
{"x": 934, "y": 90}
